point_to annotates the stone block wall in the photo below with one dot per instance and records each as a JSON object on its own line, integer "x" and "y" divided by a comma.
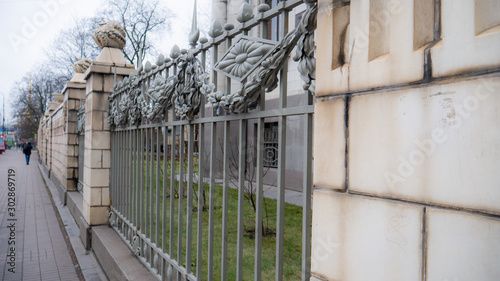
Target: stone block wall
{"x": 58, "y": 141}
{"x": 407, "y": 123}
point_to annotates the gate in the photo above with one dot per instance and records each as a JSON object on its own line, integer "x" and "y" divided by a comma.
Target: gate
{"x": 203, "y": 215}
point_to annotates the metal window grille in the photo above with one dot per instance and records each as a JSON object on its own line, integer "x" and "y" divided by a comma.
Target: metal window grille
{"x": 271, "y": 144}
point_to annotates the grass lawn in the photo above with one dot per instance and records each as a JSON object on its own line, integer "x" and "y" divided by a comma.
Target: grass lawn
{"x": 293, "y": 231}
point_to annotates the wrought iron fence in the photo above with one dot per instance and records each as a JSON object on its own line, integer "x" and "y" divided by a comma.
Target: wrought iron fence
{"x": 160, "y": 186}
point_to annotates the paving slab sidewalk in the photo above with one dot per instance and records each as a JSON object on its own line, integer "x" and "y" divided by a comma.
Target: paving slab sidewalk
{"x": 33, "y": 245}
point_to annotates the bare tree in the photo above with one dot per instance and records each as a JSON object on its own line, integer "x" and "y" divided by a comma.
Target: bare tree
{"x": 31, "y": 94}
{"x": 72, "y": 44}
{"x": 250, "y": 176}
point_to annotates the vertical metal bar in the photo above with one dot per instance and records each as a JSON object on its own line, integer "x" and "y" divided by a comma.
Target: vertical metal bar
{"x": 284, "y": 71}
{"x": 136, "y": 177}
{"x": 280, "y": 224}
{"x": 201, "y": 199}
{"x": 125, "y": 174}
{"x": 164, "y": 195}
{"x": 140, "y": 179}
{"x": 241, "y": 195}
{"x": 129, "y": 174}
{"x": 306, "y": 193}
{"x": 164, "y": 203}
{"x": 113, "y": 169}
{"x": 201, "y": 189}
{"x": 213, "y": 139}
{"x": 151, "y": 190}
{"x": 119, "y": 181}
{"x": 157, "y": 199}
{"x": 172, "y": 193}
{"x": 189, "y": 213}
{"x": 258, "y": 216}
{"x": 146, "y": 187}
{"x": 181, "y": 198}
{"x": 225, "y": 201}
{"x": 132, "y": 177}
{"x": 117, "y": 173}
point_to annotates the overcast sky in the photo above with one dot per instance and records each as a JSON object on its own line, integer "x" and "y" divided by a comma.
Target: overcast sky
{"x": 28, "y": 26}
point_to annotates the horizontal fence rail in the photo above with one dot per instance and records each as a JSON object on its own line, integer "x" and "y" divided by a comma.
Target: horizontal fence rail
{"x": 189, "y": 172}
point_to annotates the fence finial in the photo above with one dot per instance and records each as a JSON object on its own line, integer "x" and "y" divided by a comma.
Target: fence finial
{"x": 195, "y": 32}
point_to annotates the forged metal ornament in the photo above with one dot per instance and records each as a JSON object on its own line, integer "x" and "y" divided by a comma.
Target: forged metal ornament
{"x": 243, "y": 57}
{"x": 267, "y": 71}
{"x": 130, "y": 102}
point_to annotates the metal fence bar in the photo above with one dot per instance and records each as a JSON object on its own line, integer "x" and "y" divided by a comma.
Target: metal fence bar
{"x": 145, "y": 197}
{"x": 141, "y": 182}
{"x": 151, "y": 186}
{"x": 136, "y": 177}
{"x": 118, "y": 164}
{"x": 269, "y": 113}
{"x": 129, "y": 174}
{"x": 213, "y": 139}
{"x": 164, "y": 202}
{"x": 172, "y": 192}
{"x": 280, "y": 223}
{"x": 241, "y": 195}
{"x": 189, "y": 213}
{"x": 113, "y": 168}
{"x": 306, "y": 195}
{"x": 146, "y": 187}
{"x": 259, "y": 194}
{"x": 157, "y": 199}
{"x": 164, "y": 195}
{"x": 225, "y": 201}
{"x": 181, "y": 199}
{"x": 201, "y": 200}
{"x": 120, "y": 173}
{"x": 201, "y": 189}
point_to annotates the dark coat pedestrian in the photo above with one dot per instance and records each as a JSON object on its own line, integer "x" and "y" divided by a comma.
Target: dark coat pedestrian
{"x": 27, "y": 152}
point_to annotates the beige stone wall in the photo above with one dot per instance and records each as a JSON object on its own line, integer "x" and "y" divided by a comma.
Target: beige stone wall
{"x": 407, "y": 123}
{"x": 58, "y": 142}
{"x": 57, "y": 137}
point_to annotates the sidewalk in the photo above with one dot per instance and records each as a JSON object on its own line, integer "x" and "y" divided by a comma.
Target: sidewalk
{"x": 32, "y": 244}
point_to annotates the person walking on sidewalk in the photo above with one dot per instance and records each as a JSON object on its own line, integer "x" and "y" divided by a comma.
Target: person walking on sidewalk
{"x": 27, "y": 152}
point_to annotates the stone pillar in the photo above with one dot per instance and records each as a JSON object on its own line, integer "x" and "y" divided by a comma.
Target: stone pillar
{"x": 97, "y": 159}
{"x": 73, "y": 98}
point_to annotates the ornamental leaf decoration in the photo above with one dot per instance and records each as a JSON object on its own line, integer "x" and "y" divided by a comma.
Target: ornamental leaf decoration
{"x": 267, "y": 71}
{"x": 130, "y": 102}
{"x": 255, "y": 62}
{"x": 243, "y": 57}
